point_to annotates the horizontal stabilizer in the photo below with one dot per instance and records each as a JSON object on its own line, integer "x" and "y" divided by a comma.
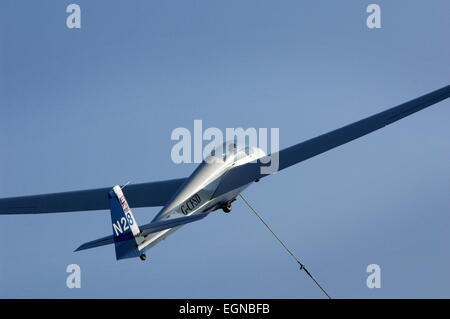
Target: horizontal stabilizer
{"x": 145, "y": 230}
{"x": 170, "y": 223}
{"x": 98, "y": 242}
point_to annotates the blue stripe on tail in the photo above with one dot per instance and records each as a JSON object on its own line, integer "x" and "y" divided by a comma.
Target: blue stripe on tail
{"x": 124, "y": 240}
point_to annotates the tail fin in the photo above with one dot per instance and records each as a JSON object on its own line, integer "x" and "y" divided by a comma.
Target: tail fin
{"x": 125, "y": 229}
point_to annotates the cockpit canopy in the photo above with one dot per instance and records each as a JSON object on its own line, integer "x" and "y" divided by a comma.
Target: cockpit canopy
{"x": 229, "y": 150}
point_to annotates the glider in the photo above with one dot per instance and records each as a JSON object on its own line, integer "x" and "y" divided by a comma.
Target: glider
{"x": 214, "y": 185}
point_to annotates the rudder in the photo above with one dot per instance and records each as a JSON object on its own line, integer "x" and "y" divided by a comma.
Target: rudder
{"x": 125, "y": 229}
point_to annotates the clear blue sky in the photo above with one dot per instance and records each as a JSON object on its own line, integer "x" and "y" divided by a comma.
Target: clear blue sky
{"x": 95, "y": 107}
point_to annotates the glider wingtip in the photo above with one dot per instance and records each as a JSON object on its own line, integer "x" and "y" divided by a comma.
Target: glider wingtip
{"x": 79, "y": 248}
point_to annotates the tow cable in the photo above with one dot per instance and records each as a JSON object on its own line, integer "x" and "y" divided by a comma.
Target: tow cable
{"x": 302, "y": 266}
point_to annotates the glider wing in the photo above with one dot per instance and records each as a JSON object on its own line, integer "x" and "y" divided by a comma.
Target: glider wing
{"x": 247, "y": 173}
{"x": 151, "y": 194}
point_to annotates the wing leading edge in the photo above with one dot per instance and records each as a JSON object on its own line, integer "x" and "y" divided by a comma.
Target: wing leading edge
{"x": 245, "y": 174}
{"x": 139, "y": 195}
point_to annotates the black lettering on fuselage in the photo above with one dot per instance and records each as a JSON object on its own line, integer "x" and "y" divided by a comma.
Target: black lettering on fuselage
{"x": 189, "y": 205}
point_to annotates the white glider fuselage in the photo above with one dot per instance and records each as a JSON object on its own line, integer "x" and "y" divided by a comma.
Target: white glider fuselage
{"x": 197, "y": 194}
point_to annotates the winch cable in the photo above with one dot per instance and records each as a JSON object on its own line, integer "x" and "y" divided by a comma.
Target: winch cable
{"x": 302, "y": 266}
